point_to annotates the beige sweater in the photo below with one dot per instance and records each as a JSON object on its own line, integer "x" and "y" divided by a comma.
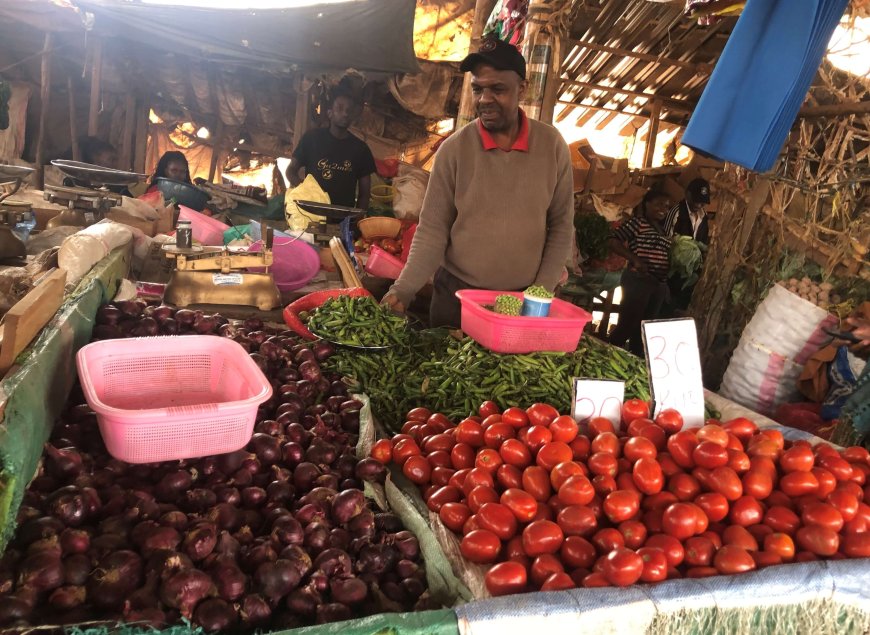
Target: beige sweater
{"x": 497, "y": 220}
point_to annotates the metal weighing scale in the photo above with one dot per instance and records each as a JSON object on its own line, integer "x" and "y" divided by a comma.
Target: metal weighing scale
{"x": 13, "y": 212}
{"x": 330, "y": 226}
{"x": 216, "y": 275}
{"x": 87, "y": 203}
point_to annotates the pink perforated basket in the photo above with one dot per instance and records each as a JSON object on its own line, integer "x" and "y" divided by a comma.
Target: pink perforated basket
{"x": 560, "y": 331}
{"x": 205, "y": 229}
{"x": 383, "y": 265}
{"x": 170, "y": 398}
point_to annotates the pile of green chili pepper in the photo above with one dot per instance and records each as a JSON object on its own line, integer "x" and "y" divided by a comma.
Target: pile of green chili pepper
{"x": 434, "y": 370}
{"x": 358, "y": 322}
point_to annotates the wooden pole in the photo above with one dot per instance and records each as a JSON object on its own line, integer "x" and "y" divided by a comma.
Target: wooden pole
{"x": 836, "y": 110}
{"x": 73, "y": 121}
{"x": 302, "y": 116}
{"x": 482, "y": 11}
{"x": 45, "y": 96}
{"x": 96, "y": 81}
{"x": 141, "y": 146}
{"x": 216, "y": 149}
{"x": 650, "y": 151}
{"x": 700, "y": 68}
{"x": 126, "y": 158}
{"x": 551, "y": 90}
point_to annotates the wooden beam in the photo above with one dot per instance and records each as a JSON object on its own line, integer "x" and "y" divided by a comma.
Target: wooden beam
{"x": 96, "y": 87}
{"x": 697, "y": 67}
{"x": 126, "y": 157}
{"x": 216, "y": 149}
{"x": 673, "y": 104}
{"x": 482, "y": 11}
{"x": 141, "y": 145}
{"x": 45, "y": 96}
{"x": 73, "y": 121}
{"x": 650, "y": 150}
{"x": 836, "y": 110}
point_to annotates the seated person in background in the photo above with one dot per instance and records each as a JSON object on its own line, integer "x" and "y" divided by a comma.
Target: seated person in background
{"x": 642, "y": 241}
{"x": 172, "y": 165}
{"x": 94, "y": 151}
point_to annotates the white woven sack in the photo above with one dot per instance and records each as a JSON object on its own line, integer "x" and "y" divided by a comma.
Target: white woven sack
{"x": 410, "y": 189}
{"x": 789, "y": 325}
{"x": 759, "y": 378}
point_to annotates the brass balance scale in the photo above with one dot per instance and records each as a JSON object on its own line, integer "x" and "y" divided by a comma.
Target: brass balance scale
{"x": 88, "y": 200}
{"x": 218, "y": 275}
{"x": 13, "y": 212}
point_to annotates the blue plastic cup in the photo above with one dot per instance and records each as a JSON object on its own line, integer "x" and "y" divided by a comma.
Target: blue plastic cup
{"x": 536, "y": 307}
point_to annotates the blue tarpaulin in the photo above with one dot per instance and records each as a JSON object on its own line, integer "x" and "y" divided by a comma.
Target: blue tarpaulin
{"x": 761, "y": 79}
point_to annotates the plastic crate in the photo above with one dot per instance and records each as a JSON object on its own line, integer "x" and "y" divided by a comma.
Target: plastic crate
{"x": 174, "y": 397}
{"x": 560, "y": 331}
{"x": 205, "y": 229}
{"x": 382, "y": 264}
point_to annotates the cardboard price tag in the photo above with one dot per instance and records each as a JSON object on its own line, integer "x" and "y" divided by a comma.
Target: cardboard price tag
{"x": 674, "y": 365}
{"x": 597, "y": 398}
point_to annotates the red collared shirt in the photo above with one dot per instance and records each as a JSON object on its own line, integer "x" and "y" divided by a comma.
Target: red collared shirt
{"x": 521, "y": 144}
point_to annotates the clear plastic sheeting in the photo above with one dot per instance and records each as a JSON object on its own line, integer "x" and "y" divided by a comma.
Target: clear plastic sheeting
{"x": 814, "y": 597}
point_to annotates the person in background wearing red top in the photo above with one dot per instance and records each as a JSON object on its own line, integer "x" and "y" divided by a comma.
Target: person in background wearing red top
{"x": 642, "y": 241}
{"x": 499, "y": 208}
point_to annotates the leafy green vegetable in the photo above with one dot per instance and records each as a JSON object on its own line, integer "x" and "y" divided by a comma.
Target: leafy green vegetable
{"x": 687, "y": 256}
{"x": 593, "y": 235}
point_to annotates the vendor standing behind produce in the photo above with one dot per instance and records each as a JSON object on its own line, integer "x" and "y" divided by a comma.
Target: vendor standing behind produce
{"x": 642, "y": 241}
{"x": 499, "y": 207}
{"x": 341, "y": 163}
{"x": 688, "y": 218}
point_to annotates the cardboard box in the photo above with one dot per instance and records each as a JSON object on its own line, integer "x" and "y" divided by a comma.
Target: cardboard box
{"x": 148, "y": 227}
{"x": 609, "y": 176}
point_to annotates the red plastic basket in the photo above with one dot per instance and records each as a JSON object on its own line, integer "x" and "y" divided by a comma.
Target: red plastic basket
{"x": 310, "y": 302}
{"x": 174, "y": 397}
{"x": 560, "y": 331}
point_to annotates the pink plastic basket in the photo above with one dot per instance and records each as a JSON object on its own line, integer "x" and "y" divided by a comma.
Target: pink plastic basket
{"x": 294, "y": 262}
{"x": 560, "y": 331}
{"x": 170, "y": 398}
{"x": 382, "y": 264}
{"x": 205, "y": 229}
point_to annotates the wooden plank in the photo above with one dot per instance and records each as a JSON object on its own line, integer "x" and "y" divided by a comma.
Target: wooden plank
{"x": 73, "y": 122}
{"x": 27, "y": 317}
{"x": 126, "y": 158}
{"x": 836, "y": 110}
{"x": 348, "y": 273}
{"x": 45, "y": 96}
{"x": 649, "y": 151}
{"x": 673, "y": 104}
{"x": 141, "y": 145}
{"x": 697, "y": 67}
{"x": 96, "y": 87}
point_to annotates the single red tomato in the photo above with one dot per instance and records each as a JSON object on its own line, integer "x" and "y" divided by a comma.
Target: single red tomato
{"x": 818, "y": 540}
{"x": 515, "y": 417}
{"x": 537, "y": 437}
{"x": 563, "y": 429}
{"x": 454, "y": 515}
{"x": 439, "y": 421}
{"x": 637, "y": 425}
{"x": 470, "y": 432}
{"x": 441, "y": 476}
{"x": 498, "y": 433}
{"x": 714, "y": 505}
{"x": 622, "y": 567}
{"x": 498, "y": 519}
{"x": 608, "y": 539}
{"x": 597, "y": 425}
{"x": 439, "y": 458}
{"x": 856, "y": 454}
{"x": 713, "y": 434}
{"x": 442, "y": 496}
{"x": 488, "y": 459}
{"x": 746, "y": 511}
{"x": 798, "y": 458}
{"x": 658, "y": 501}
{"x": 488, "y": 408}
{"x": 765, "y": 558}
{"x": 577, "y": 490}
{"x": 681, "y": 447}
{"x": 757, "y": 483}
{"x": 462, "y": 456}
{"x": 713, "y": 537}
{"x": 780, "y": 544}
{"x": 655, "y": 564}
{"x": 647, "y": 476}
{"x": 837, "y": 466}
{"x": 735, "y": 444}
{"x": 799, "y": 483}
{"x": 475, "y": 477}
{"x": 701, "y": 572}
{"x": 543, "y": 567}
{"x": 679, "y": 520}
{"x": 668, "y": 465}
{"x": 580, "y": 448}
{"x": 542, "y": 536}
{"x": 480, "y": 546}
{"x": 507, "y": 476}
{"x": 536, "y": 481}
{"x": 417, "y": 469}
{"x": 732, "y": 559}
{"x": 781, "y": 519}
{"x": 621, "y": 505}
{"x": 470, "y": 525}
{"x": 741, "y": 427}
{"x": 563, "y": 471}
{"x": 639, "y": 448}
{"x": 823, "y": 515}
{"x": 699, "y": 551}
{"x": 514, "y": 452}
{"x": 491, "y": 420}
{"x": 382, "y": 451}
{"x": 634, "y": 409}
{"x": 710, "y": 455}
{"x": 655, "y": 434}
{"x": 405, "y": 449}
{"x": 607, "y": 443}
{"x": 774, "y": 435}
{"x": 541, "y": 414}
{"x": 419, "y": 414}
{"x": 625, "y": 480}
{"x": 634, "y": 533}
{"x": 442, "y": 441}
{"x": 725, "y": 481}
{"x": 522, "y": 504}
{"x": 553, "y": 453}
{"x": 685, "y": 486}
{"x": 506, "y": 578}
{"x": 578, "y": 552}
{"x": 577, "y": 520}
{"x": 857, "y": 545}
{"x": 669, "y": 420}
{"x": 479, "y": 496}
{"x": 673, "y": 549}
{"x": 845, "y": 503}
{"x": 558, "y": 582}
{"x": 740, "y": 536}
{"x": 602, "y": 464}
{"x": 458, "y": 479}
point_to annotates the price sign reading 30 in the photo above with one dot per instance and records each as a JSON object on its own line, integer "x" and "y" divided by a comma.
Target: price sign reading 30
{"x": 675, "y": 367}
{"x": 597, "y": 398}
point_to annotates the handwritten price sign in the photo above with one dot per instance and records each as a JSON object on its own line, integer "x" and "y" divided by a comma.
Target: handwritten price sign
{"x": 597, "y": 398}
{"x": 675, "y": 367}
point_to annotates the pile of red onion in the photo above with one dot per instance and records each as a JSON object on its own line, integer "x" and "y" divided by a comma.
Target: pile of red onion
{"x": 274, "y": 536}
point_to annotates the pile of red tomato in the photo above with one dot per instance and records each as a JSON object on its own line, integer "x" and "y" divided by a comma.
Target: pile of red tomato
{"x": 553, "y": 506}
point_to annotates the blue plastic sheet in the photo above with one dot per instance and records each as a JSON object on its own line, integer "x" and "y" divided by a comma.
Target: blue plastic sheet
{"x": 761, "y": 79}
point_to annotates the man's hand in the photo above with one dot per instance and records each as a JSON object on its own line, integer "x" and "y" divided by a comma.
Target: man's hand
{"x": 392, "y": 302}
{"x": 861, "y": 330}
{"x": 639, "y": 265}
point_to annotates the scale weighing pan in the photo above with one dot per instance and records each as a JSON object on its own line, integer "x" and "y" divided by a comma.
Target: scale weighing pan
{"x": 331, "y": 212}
{"x": 11, "y": 173}
{"x": 97, "y": 174}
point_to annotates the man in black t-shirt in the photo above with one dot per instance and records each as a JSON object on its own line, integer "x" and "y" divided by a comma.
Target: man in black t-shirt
{"x": 341, "y": 162}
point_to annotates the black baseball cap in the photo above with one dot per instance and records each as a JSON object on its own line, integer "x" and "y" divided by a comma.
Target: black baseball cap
{"x": 498, "y": 54}
{"x": 700, "y": 190}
